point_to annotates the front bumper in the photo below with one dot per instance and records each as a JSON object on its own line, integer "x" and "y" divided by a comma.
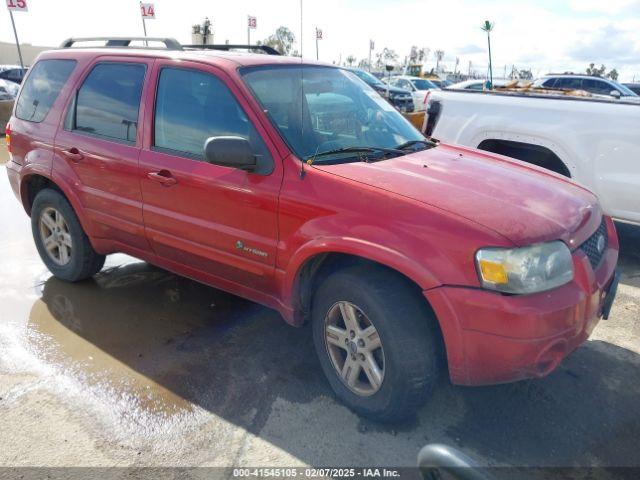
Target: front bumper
{"x": 493, "y": 338}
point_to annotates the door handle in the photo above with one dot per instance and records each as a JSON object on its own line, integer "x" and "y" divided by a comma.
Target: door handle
{"x": 163, "y": 177}
{"x": 73, "y": 154}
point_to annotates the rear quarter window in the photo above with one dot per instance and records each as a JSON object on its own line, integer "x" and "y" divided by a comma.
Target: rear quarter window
{"x": 41, "y": 89}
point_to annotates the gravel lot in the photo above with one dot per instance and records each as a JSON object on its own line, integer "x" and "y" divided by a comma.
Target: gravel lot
{"x": 143, "y": 368}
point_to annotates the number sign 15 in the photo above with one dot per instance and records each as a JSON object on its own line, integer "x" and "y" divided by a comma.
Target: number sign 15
{"x": 17, "y": 5}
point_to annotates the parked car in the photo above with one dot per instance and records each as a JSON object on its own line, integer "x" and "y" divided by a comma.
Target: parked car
{"x": 553, "y": 132}
{"x": 438, "y": 82}
{"x": 398, "y": 97}
{"x": 419, "y": 88}
{"x": 594, "y": 85}
{"x": 634, "y": 87}
{"x": 8, "y": 90}
{"x": 13, "y": 74}
{"x": 477, "y": 84}
{"x": 294, "y": 184}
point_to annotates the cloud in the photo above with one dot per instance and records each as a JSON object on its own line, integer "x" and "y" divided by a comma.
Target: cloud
{"x": 470, "y": 49}
{"x": 609, "y": 45}
{"x": 609, "y": 7}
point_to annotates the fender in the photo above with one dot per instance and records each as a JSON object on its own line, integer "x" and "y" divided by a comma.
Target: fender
{"x": 359, "y": 248}
{"x": 30, "y": 170}
{"x": 560, "y": 151}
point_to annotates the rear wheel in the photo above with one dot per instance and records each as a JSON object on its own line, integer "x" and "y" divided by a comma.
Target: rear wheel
{"x": 61, "y": 242}
{"x": 377, "y": 342}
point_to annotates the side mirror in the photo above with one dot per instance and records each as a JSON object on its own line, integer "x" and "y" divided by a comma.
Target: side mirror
{"x": 615, "y": 94}
{"x": 232, "y": 152}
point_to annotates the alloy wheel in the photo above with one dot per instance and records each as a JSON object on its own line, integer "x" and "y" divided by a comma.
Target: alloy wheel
{"x": 355, "y": 348}
{"x": 55, "y": 236}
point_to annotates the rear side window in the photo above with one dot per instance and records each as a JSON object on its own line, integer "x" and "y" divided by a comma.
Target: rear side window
{"x": 569, "y": 83}
{"x": 192, "y": 106}
{"x": 42, "y": 88}
{"x": 107, "y": 104}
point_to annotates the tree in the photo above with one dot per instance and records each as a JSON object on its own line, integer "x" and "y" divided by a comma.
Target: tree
{"x": 282, "y": 40}
{"x": 351, "y": 60}
{"x": 386, "y": 57}
{"x": 364, "y": 64}
{"x": 487, "y": 26}
{"x": 601, "y": 72}
{"x": 525, "y": 74}
{"x": 596, "y": 72}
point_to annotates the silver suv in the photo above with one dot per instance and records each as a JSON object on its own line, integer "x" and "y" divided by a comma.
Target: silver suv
{"x": 594, "y": 85}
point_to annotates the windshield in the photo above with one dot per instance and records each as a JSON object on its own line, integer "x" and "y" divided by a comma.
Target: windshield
{"x": 367, "y": 77}
{"x": 625, "y": 91}
{"x": 335, "y": 111}
{"x": 422, "y": 84}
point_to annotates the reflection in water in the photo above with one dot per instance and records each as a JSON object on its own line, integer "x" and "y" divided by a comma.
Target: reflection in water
{"x": 164, "y": 344}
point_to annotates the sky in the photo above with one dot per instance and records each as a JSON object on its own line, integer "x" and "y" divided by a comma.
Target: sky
{"x": 543, "y": 35}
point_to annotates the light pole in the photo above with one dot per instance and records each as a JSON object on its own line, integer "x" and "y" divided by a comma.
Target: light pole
{"x": 371, "y": 46}
{"x": 487, "y": 26}
{"x": 318, "y": 37}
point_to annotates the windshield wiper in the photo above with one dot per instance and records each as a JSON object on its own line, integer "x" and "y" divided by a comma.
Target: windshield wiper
{"x": 411, "y": 143}
{"x": 357, "y": 150}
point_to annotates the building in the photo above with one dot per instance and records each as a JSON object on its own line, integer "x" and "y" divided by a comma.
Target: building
{"x": 9, "y": 53}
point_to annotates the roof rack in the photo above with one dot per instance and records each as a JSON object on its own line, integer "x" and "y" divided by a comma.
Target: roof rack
{"x": 226, "y": 47}
{"x": 169, "y": 44}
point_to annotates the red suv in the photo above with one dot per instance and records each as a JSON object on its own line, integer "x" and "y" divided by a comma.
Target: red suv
{"x": 294, "y": 184}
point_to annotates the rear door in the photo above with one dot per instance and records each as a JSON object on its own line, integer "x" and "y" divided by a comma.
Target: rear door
{"x": 202, "y": 217}
{"x": 99, "y": 145}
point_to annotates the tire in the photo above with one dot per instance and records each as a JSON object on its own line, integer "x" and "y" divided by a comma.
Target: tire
{"x": 80, "y": 260}
{"x": 409, "y": 337}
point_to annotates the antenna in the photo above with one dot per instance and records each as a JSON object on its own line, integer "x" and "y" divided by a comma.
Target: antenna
{"x": 302, "y": 172}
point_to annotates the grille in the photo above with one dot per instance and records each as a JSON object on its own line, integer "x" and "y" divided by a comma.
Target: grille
{"x": 590, "y": 246}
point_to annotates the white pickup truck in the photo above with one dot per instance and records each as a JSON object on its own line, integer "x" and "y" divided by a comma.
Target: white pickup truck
{"x": 595, "y": 142}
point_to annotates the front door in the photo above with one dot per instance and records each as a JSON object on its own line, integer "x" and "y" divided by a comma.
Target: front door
{"x": 206, "y": 218}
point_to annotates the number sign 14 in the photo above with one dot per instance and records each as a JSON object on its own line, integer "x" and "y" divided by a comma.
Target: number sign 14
{"x": 148, "y": 11}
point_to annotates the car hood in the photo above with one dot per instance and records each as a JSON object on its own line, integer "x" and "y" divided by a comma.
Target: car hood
{"x": 520, "y": 202}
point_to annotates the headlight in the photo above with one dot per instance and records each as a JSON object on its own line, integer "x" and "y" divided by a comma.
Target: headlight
{"x": 525, "y": 270}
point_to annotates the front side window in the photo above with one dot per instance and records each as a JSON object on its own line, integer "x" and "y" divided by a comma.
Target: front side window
{"x": 108, "y": 102}
{"x": 320, "y": 109}
{"x": 42, "y": 88}
{"x": 192, "y": 106}
{"x": 596, "y": 86}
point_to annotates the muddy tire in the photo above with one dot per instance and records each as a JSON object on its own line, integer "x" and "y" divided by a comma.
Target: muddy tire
{"x": 377, "y": 341}
{"x": 61, "y": 242}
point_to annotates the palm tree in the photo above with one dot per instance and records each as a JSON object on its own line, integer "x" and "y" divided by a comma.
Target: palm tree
{"x": 487, "y": 26}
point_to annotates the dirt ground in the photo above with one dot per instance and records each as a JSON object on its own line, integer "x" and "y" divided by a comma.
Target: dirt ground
{"x": 140, "y": 367}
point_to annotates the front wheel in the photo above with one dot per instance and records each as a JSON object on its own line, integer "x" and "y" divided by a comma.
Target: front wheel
{"x": 377, "y": 341}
